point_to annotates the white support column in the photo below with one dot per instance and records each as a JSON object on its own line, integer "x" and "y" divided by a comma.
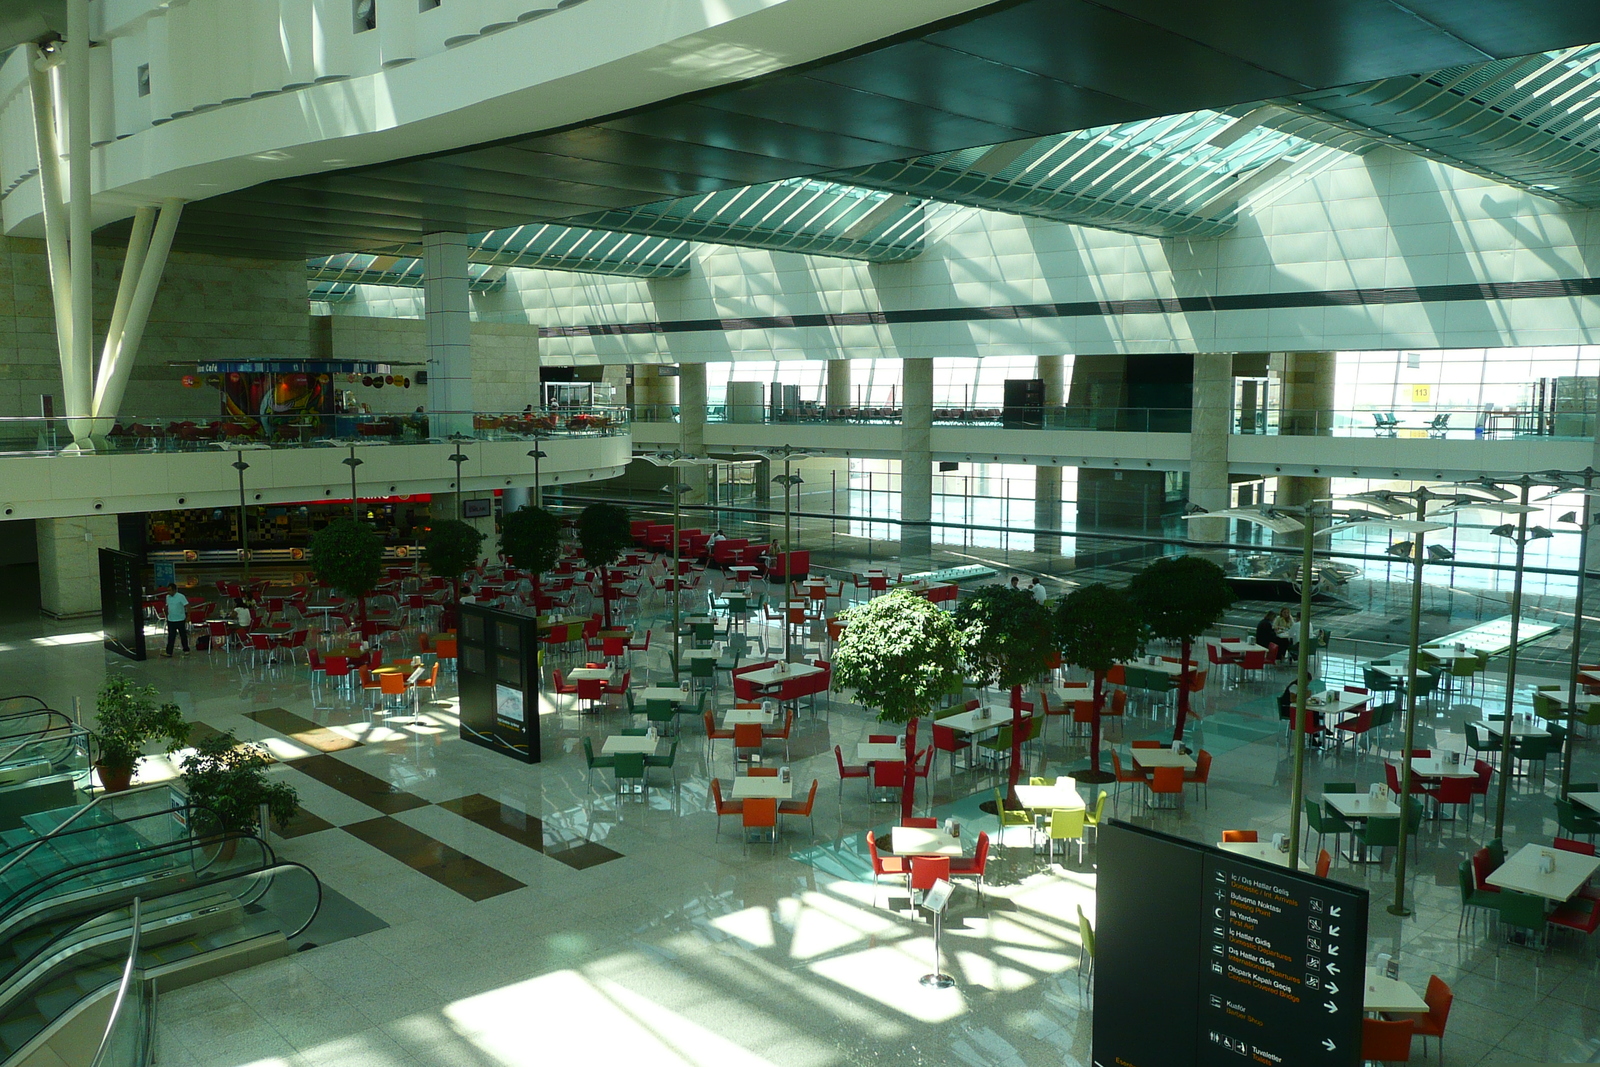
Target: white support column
{"x": 916, "y": 461}
{"x": 448, "y": 309}
{"x": 1211, "y": 419}
{"x": 80, "y": 222}
{"x": 55, "y": 216}
{"x": 123, "y": 339}
{"x": 692, "y": 426}
{"x": 69, "y": 563}
{"x": 1047, "y": 479}
{"x": 838, "y": 385}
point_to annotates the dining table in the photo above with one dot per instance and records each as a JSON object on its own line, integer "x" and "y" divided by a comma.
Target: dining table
{"x": 1062, "y": 796}
{"x": 1383, "y": 994}
{"x": 1264, "y": 851}
{"x": 780, "y": 674}
{"x": 589, "y": 674}
{"x": 662, "y": 692}
{"x": 1520, "y": 872}
{"x": 747, "y": 717}
{"x": 886, "y": 751}
{"x": 763, "y": 787}
{"x": 626, "y": 744}
{"x": 1361, "y": 806}
{"x": 1519, "y": 727}
{"x": 923, "y": 841}
{"x": 1151, "y": 758}
{"x": 1440, "y": 767}
{"x": 1587, "y": 798}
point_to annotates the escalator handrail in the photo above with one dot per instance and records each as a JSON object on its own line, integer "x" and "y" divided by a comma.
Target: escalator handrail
{"x": 44, "y": 735}
{"x": 51, "y": 715}
{"x": 24, "y": 711}
{"x": 30, "y": 892}
{"x": 122, "y": 987}
{"x": 24, "y": 851}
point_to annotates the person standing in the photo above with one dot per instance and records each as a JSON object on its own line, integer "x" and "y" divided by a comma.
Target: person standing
{"x": 177, "y": 620}
{"x": 1036, "y": 587}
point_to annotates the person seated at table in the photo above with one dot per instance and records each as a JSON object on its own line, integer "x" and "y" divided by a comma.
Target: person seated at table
{"x": 243, "y": 616}
{"x": 1313, "y": 716}
{"x": 711, "y": 545}
{"x": 1284, "y": 628}
{"x": 1266, "y": 634}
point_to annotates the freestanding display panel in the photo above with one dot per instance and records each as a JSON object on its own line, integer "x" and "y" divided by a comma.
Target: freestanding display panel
{"x": 1244, "y": 961}
{"x": 497, "y": 660}
{"x": 122, "y": 602}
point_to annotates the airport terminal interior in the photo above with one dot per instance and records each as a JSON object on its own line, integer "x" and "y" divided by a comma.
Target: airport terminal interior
{"x": 460, "y": 458}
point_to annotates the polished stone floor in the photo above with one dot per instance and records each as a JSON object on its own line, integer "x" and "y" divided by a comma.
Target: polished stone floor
{"x": 524, "y": 917}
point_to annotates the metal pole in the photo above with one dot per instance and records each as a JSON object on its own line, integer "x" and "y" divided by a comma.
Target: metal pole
{"x": 677, "y": 578}
{"x": 1511, "y": 668}
{"x": 244, "y": 529}
{"x": 1404, "y": 800}
{"x": 1584, "y": 518}
{"x": 1302, "y": 684}
{"x": 352, "y": 462}
{"x": 788, "y": 557}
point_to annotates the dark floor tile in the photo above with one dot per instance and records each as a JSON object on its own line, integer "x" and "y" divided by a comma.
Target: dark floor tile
{"x": 303, "y": 730}
{"x": 454, "y": 870}
{"x": 358, "y": 784}
{"x": 582, "y": 857}
{"x": 202, "y": 731}
{"x": 503, "y": 819}
{"x": 302, "y": 824}
{"x": 338, "y": 918}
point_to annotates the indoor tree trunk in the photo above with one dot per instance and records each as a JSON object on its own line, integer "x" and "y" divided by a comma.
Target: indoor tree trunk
{"x": 1094, "y": 773}
{"x": 908, "y": 784}
{"x": 605, "y": 595}
{"x": 1016, "y": 746}
{"x": 1183, "y": 691}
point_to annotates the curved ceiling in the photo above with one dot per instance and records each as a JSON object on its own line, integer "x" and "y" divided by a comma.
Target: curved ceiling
{"x": 1011, "y": 71}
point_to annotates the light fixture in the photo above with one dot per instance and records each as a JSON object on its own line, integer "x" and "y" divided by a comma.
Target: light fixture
{"x": 1539, "y": 533}
{"x": 1400, "y": 549}
{"x": 1439, "y": 553}
{"x": 1505, "y": 529}
{"x": 1571, "y": 516}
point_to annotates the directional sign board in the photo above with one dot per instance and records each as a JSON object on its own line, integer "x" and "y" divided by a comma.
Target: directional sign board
{"x": 1250, "y": 962}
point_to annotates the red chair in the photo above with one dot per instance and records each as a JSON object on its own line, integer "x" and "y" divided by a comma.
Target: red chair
{"x": 723, "y": 807}
{"x": 1253, "y": 662}
{"x": 977, "y": 866}
{"x": 892, "y": 866}
{"x": 1324, "y": 861}
{"x": 591, "y": 690}
{"x": 562, "y": 686}
{"x": 620, "y": 688}
{"x": 1438, "y": 998}
{"x": 781, "y": 734}
{"x": 1452, "y": 791}
{"x": 761, "y": 813}
{"x": 888, "y": 774}
{"x": 845, "y": 770}
{"x": 801, "y": 808}
{"x": 1386, "y": 1040}
{"x": 926, "y": 870}
{"x": 946, "y": 739}
{"x": 920, "y": 823}
{"x": 1241, "y": 836}
{"x": 1483, "y": 866}
{"x": 1480, "y": 787}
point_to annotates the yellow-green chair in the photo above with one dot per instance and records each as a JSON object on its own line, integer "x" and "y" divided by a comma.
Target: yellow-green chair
{"x": 1066, "y": 825}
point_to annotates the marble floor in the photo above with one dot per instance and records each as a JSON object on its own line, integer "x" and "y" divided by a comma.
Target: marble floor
{"x": 521, "y": 916}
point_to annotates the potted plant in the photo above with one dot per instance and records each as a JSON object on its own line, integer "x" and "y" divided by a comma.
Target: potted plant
{"x": 900, "y": 654}
{"x": 1180, "y": 598}
{"x": 530, "y": 537}
{"x": 227, "y": 781}
{"x": 1009, "y": 639}
{"x": 451, "y": 549}
{"x": 1098, "y": 627}
{"x": 129, "y": 718}
{"x": 604, "y": 534}
{"x": 349, "y": 557}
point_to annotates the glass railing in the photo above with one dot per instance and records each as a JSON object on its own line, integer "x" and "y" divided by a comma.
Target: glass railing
{"x": 42, "y": 770}
{"x": 1069, "y": 417}
{"x": 1438, "y": 423}
{"x": 127, "y": 1038}
{"x": 200, "y": 433}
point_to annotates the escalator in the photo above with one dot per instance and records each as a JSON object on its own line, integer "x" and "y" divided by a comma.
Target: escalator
{"x": 44, "y": 761}
{"x": 206, "y": 904}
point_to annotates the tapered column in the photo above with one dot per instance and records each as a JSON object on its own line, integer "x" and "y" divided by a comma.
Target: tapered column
{"x": 692, "y": 421}
{"x": 1307, "y": 390}
{"x": 448, "y": 309}
{"x": 1211, "y": 419}
{"x": 1047, "y": 479}
{"x": 838, "y": 385}
{"x": 916, "y": 461}
{"x": 80, "y": 222}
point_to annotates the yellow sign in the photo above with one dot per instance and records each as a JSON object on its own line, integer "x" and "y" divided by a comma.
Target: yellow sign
{"x": 1422, "y": 394}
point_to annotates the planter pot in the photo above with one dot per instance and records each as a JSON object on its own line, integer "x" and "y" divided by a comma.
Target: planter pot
{"x": 114, "y": 779}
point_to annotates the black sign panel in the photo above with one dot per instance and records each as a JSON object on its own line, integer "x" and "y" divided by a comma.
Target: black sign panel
{"x": 122, "y": 602}
{"x": 497, "y": 664}
{"x": 1271, "y": 961}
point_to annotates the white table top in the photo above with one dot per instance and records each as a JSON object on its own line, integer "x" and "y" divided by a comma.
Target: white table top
{"x": 969, "y": 722}
{"x": 1361, "y": 805}
{"x": 744, "y": 568}
{"x": 1585, "y": 700}
{"x": 772, "y": 676}
{"x": 1161, "y": 757}
{"x": 1438, "y": 767}
{"x": 1588, "y": 800}
{"x": 1331, "y": 702}
{"x": 663, "y": 692}
{"x": 767, "y": 786}
{"x": 1448, "y": 655}
{"x": 619, "y": 744}
{"x": 867, "y": 752}
{"x": 1256, "y": 850}
{"x": 1390, "y": 994}
{"x": 1519, "y": 728}
{"x": 1230, "y": 645}
{"x": 1394, "y": 670}
{"x": 746, "y": 717}
{"x": 1520, "y": 872}
{"x": 1063, "y": 796}
{"x": 589, "y": 674}
{"x": 699, "y": 653}
{"x": 918, "y": 841}
{"x": 1159, "y": 665}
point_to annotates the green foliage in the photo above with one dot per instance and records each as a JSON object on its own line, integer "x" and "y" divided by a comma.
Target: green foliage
{"x": 1098, "y": 626}
{"x": 348, "y": 556}
{"x": 128, "y": 718}
{"x": 452, "y": 548}
{"x": 1009, "y": 638}
{"x": 1180, "y": 597}
{"x": 228, "y": 778}
{"x": 900, "y": 654}
{"x": 531, "y": 538}
{"x": 604, "y": 533}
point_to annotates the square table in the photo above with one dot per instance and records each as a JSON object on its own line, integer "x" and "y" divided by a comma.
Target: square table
{"x": 869, "y": 751}
{"x": 1362, "y": 806}
{"x": 766, "y": 787}
{"x": 1162, "y": 757}
{"x": 625, "y": 744}
{"x": 1439, "y": 767}
{"x": 1164, "y": 666}
{"x": 1390, "y": 994}
{"x": 747, "y": 717}
{"x": 1394, "y": 671}
{"x": 663, "y": 692}
{"x": 1075, "y": 691}
{"x": 1520, "y": 872}
{"x": 921, "y": 841}
{"x": 1256, "y": 850}
{"x": 589, "y": 674}
{"x": 699, "y": 653}
{"x": 1519, "y": 728}
{"x": 773, "y": 676}
{"x": 1589, "y": 799}
{"x": 971, "y": 722}
{"x": 1063, "y": 796}
{"x": 1228, "y": 645}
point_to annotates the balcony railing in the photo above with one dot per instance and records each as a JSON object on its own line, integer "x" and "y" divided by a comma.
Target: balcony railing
{"x": 1439, "y": 423}
{"x": 1072, "y": 417}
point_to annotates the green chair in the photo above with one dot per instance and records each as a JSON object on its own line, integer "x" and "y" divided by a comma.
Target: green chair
{"x": 1375, "y": 680}
{"x": 635, "y": 731}
{"x": 1523, "y": 911}
{"x": 1534, "y": 750}
{"x": 1427, "y": 685}
{"x": 1385, "y": 832}
{"x": 1093, "y": 817}
{"x": 1470, "y": 896}
{"x": 1323, "y": 822}
{"x": 1066, "y": 825}
{"x": 998, "y": 745}
{"x": 702, "y": 670}
{"x": 1465, "y": 670}
{"x": 669, "y": 761}
{"x": 661, "y": 712}
{"x": 703, "y": 632}
{"x": 1085, "y": 949}
{"x": 592, "y": 761}
{"x": 1476, "y": 741}
{"x": 628, "y": 768}
{"x": 1544, "y": 705}
{"x": 1574, "y": 822}
{"x": 1007, "y": 816}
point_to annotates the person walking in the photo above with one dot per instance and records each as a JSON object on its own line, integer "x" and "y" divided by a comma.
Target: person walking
{"x": 177, "y": 620}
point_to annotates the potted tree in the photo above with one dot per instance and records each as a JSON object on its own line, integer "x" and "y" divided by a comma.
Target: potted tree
{"x": 901, "y": 655}
{"x": 1009, "y": 639}
{"x": 1180, "y": 597}
{"x": 349, "y": 557}
{"x": 1097, "y": 627}
{"x": 451, "y": 549}
{"x": 530, "y": 537}
{"x": 604, "y": 534}
{"x": 227, "y": 781}
{"x": 129, "y": 718}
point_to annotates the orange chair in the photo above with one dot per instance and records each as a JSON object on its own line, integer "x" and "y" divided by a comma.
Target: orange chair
{"x": 1438, "y": 998}
{"x": 926, "y": 870}
{"x": 713, "y": 733}
{"x": 762, "y": 772}
{"x": 370, "y": 684}
{"x": 893, "y": 866}
{"x": 1167, "y": 781}
{"x": 780, "y": 735}
{"x": 977, "y": 866}
{"x": 430, "y": 683}
{"x": 723, "y": 807}
{"x": 1324, "y": 861}
{"x": 746, "y": 736}
{"x": 1124, "y": 777}
{"x": 845, "y": 770}
{"x": 1201, "y": 775}
{"x": 446, "y": 650}
{"x": 1386, "y": 1041}
{"x": 761, "y": 813}
{"x": 1242, "y": 836}
{"x": 802, "y": 808}
{"x": 391, "y": 684}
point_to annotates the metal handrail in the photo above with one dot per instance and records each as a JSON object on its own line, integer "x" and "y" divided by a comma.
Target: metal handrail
{"x": 28, "y": 851}
{"x": 122, "y": 987}
{"x": 36, "y": 738}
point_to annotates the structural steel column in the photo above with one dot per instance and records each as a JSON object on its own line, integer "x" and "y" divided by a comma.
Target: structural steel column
{"x": 1307, "y": 410}
{"x": 1047, "y": 479}
{"x": 1211, "y": 419}
{"x": 838, "y": 395}
{"x": 448, "y": 308}
{"x": 916, "y": 461}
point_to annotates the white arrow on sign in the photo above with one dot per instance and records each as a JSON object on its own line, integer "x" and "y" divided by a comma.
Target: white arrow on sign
{"x": 1328, "y": 1044}
{"x": 1332, "y": 988}
{"x": 1333, "y": 950}
{"x": 1333, "y": 931}
{"x": 1331, "y": 1006}
{"x": 1334, "y": 911}
{"x": 1333, "y": 968}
